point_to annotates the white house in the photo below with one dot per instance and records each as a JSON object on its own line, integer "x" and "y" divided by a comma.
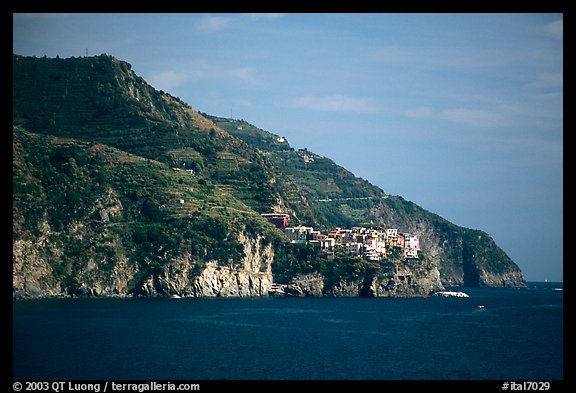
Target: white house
{"x": 411, "y": 241}
{"x": 327, "y": 243}
{"x": 411, "y": 245}
{"x": 371, "y": 255}
{"x": 299, "y": 234}
{"x": 391, "y": 232}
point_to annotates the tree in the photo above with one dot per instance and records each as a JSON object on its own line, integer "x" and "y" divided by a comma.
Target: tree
{"x": 151, "y": 210}
{"x": 394, "y": 255}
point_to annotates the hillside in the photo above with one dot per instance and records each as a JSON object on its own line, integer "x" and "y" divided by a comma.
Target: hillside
{"x": 122, "y": 189}
{"x": 91, "y": 219}
{"x": 464, "y": 256}
{"x": 337, "y": 195}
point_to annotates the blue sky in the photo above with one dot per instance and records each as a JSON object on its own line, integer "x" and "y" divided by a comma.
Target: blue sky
{"x": 460, "y": 113}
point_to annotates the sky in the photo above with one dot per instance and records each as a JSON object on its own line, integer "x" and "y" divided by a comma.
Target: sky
{"x": 461, "y": 114}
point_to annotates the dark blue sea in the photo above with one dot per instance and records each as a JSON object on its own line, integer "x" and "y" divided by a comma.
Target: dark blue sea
{"x": 517, "y": 335}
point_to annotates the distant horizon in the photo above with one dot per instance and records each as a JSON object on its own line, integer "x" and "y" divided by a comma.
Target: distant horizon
{"x": 548, "y": 281}
{"x": 461, "y": 114}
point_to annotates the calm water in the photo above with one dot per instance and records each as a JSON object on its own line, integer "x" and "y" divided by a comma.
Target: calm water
{"x": 517, "y": 335}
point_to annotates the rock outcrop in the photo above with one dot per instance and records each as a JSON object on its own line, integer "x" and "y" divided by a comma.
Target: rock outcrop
{"x": 180, "y": 276}
{"x": 35, "y": 277}
{"x": 31, "y": 273}
{"x": 464, "y": 256}
{"x": 408, "y": 280}
{"x": 254, "y": 278}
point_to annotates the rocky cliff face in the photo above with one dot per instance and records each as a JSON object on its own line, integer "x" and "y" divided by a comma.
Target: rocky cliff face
{"x": 31, "y": 273}
{"x": 464, "y": 256}
{"x": 35, "y": 277}
{"x": 252, "y": 278}
{"x": 485, "y": 264}
{"x": 408, "y": 280}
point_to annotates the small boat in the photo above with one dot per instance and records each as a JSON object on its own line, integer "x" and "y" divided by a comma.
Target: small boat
{"x": 480, "y": 306}
{"x": 452, "y": 294}
{"x": 175, "y": 296}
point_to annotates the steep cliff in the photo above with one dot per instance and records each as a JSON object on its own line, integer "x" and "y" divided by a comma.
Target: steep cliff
{"x": 406, "y": 280}
{"x": 464, "y": 256}
{"x": 252, "y": 278}
{"x": 35, "y": 277}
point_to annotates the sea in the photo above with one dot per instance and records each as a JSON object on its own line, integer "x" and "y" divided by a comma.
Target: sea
{"x": 494, "y": 334}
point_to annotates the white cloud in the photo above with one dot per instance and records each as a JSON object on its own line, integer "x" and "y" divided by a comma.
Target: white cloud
{"x": 556, "y": 29}
{"x": 200, "y": 70}
{"x": 245, "y": 74}
{"x": 211, "y": 24}
{"x": 167, "y": 80}
{"x": 335, "y": 103}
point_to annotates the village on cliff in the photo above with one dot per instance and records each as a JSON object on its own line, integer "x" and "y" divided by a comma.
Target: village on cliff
{"x": 368, "y": 243}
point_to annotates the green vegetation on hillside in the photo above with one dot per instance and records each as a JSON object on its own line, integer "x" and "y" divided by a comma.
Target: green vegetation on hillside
{"x": 99, "y": 203}
{"x": 100, "y": 99}
{"x": 335, "y": 197}
{"x": 294, "y": 259}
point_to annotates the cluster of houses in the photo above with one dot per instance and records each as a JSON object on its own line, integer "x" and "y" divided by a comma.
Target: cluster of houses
{"x": 371, "y": 244}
